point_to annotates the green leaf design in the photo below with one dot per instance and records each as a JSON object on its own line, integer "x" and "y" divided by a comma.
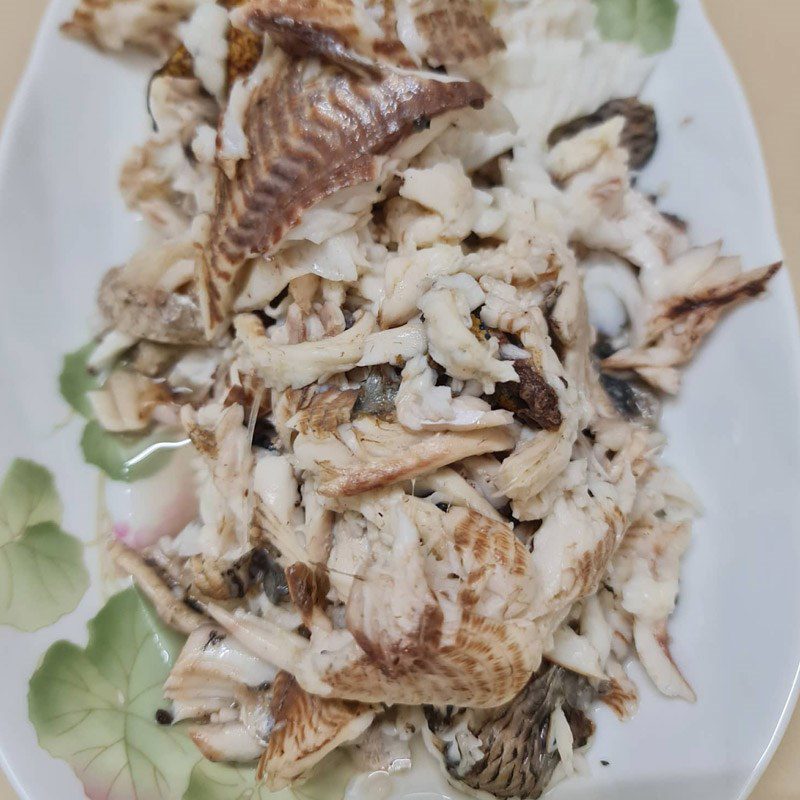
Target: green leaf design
{"x": 650, "y": 23}
{"x": 28, "y": 496}
{"x": 42, "y": 574}
{"x": 95, "y": 708}
{"x": 75, "y": 380}
{"x": 127, "y": 457}
{"x": 616, "y": 19}
{"x": 42, "y": 577}
{"x": 655, "y": 22}
{"x": 329, "y": 780}
{"x": 212, "y": 781}
{"x": 119, "y": 455}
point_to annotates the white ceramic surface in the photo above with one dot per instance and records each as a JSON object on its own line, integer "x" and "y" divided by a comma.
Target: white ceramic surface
{"x": 735, "y": 434}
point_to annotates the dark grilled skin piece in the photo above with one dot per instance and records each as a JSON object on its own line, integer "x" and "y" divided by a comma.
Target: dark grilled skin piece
{"x": 639, "y": 136}
{"x": 516, "y": 762}
{"x": 311, "y": 135}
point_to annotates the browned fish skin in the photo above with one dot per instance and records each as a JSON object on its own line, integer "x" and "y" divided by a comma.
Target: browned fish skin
{"x": 324, "y": 411}
{"x": 681, "y": 323}
{"x": 157, "y": 37}
{"x": 310, "y": 138}
{"x": 516, "y": 761}
{"x": 722, "y": 297}
{"x": 308, "y": 588}
{"x": 306, "y": 729}
{"x": 484, "y": 662}
{"x": 179, "y": 65}
{"x": 639, "y": 136}
{"x": 455, "y": 31}
{"x": 533, "y": 400}
{"x": 316, "y": 27}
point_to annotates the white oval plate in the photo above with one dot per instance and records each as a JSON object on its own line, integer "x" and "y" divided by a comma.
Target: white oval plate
{"x": 735, "y": 434}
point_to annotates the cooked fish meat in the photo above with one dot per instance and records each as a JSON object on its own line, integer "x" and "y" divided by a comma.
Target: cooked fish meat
{"x": 114, "y": 24}
{"x": 680, "y": 323}
{"x": 421, "y": 405}
{"x": 506, "y": 752}
{"x": 307, "y": 728}
{"x": 256, "y": 706}
{"x": 449, "y": 633}
{"x": 242, "y": 51}
{"x": 407, "y": 297}
{"x": 150, "y": 312}
{"x": 447, "y": 309}
{"x": 337, "y": 135}
{"x": 172, "y": 608}
{"x": 127, "y": 401}
{"x": 362, "y": 36}
{"x": 297, "y": 365}
{"x": 639, "y": 134}
{"x": 371, "y": 453}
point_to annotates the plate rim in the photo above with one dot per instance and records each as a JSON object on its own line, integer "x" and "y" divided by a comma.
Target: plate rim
{"x": 789, "y": 300}
{"x": 784, "y": 289}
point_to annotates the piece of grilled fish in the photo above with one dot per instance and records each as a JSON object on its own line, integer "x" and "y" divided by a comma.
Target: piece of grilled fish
{"x": 363, "y": 36}
{"x": 313, "y": 132}
{"x": 244, "y": 51}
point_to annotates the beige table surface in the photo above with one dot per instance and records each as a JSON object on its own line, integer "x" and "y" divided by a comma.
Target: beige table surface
{"x": 763, "y": 40}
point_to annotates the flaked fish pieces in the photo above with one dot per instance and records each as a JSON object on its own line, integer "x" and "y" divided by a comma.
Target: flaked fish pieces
{"x": 504, "y": 752}
{"x": 307, "y": 728}
{"x": 429, "y": 620}
{"x": 225, "y": 741}
{"x": 244, "y": 52}
{"x": 149, "y": 312}
{"x": 165, "y": 179}
{"x": 115, "y": 24}
{"x": 340, "y": 31}
{"x": 313, "y": 133}
{"x": 374, "y": 453}
{"x": 323, "y": 412}
{"x": 170, "y": 608}
{"x": 645, "y": 574}
{"x": 308, "y": 588}
{"x": 445, "y": 616}
{"x": 226, "y": 471}
{"x": 226, "y": 689}
{"x": 362, "y": 36}
{"x": 577, "y": 540}
{"x": 552, "y": 388}
{"x": 532, "y": 399}
{"x": 451, "y": 330}
{"x": 606, "y": 212}
{"x": 215, "y": 662}
{"x": 297, "y": 365}
{"x": 276, "y": 520}
{"x": 127, "y": 401}
{"x": 421, "y": 405}
{"x": 679, "y": 324}
{"x": 639, "y": 134}
{"x": 451, "y": 488}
